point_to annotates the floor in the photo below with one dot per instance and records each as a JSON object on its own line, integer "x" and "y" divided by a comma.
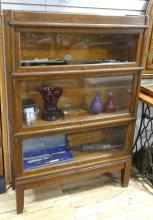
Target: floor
{"x": 98, "y": 198}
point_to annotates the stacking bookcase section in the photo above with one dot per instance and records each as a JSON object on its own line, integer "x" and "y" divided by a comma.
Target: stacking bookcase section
{"x": 50, "y": 102}
{"x": 60, "y": 42}
{"x": 63, "y": 48}
{"x": 73, "y": 83}
{"x": 69, "y": 148}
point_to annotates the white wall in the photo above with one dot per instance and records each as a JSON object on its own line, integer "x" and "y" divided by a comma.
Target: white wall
{"x": 111, "y": 7}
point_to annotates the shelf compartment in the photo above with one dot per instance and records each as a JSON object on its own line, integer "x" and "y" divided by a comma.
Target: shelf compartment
{"x": 82, "y": 100}
{"x": 68, "y": 148}
{"x": 62, "y": 48}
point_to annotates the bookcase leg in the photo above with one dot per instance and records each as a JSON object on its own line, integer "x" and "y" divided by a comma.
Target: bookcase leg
{"x": 125, "y": 174}
{"x": 13, "y": 182}
{"x": 19, "y": 199}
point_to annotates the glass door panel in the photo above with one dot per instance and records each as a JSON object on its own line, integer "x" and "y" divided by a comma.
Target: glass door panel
{"x": 62, "y": 100}
{"x": 62, "y": 48}
{"x": 64, "y": 148}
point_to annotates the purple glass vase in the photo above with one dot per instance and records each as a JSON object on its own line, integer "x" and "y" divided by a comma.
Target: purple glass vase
{"x": 51, "y": 96}
{"x": 96, "y": 105}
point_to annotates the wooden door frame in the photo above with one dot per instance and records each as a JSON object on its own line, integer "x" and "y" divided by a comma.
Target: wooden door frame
{"x": 148, "y": 73}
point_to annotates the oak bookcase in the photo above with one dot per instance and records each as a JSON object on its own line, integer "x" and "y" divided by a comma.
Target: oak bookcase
{"x": 73, "y": 83}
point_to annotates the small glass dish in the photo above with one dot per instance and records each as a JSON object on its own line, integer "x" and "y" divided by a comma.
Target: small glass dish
{"x": 30, "y": 114}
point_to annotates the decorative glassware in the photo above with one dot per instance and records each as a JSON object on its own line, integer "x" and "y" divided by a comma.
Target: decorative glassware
{"x": 96, "y": 105}
{"x": 51, "y": 96}
{"x": 110, "y": 106}
{"x": 68, "y": 58}
{"x": 30, "y": 115}
{"x": 30, "y": 111}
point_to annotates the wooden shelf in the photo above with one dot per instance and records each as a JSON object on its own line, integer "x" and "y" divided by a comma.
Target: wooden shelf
{"x": 81, "y": 158}
{"x": 102, "y": 117}
{"x": 99, "y": 154}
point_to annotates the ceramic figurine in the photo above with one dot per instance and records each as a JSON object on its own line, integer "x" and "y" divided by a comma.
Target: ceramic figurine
{"x": 109, "y": 106}
{"x": 96, "y": 105}
{"x": 51, "y": 96}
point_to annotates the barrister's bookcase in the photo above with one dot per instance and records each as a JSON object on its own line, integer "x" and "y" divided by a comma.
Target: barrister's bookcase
{"x": 73, "y": 83}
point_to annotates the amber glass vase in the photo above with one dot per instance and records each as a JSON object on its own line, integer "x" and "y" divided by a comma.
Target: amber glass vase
{"x": 51, "y": 96}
